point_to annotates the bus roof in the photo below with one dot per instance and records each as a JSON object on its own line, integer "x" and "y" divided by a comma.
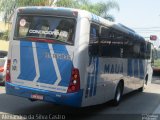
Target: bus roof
{"x": 57, "y": 11}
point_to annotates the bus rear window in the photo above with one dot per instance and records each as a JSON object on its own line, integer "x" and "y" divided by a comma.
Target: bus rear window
{"x": 53, "y": 28}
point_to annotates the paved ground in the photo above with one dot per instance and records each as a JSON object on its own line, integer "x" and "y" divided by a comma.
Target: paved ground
{"x": 135, "y": 106}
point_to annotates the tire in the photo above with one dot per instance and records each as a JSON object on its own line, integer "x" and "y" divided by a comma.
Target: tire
{"x": 118, "y": 94}
{"x": 141, "y": 89}
{"x": 144, "y": 84}
{"x": 146, "y": 80}
{"x": 32, "y": 100}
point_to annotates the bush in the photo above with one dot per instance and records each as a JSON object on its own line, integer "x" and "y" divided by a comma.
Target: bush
{"x": 4, "y": 35}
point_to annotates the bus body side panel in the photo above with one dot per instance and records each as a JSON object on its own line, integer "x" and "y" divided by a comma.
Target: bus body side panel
{"x": 104, "y": 75}
{"x": 41, "y": 68}
{"x": 81, "y": 59}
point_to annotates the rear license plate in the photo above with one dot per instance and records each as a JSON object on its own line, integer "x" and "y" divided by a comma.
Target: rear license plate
{"x": 36, "y": 96}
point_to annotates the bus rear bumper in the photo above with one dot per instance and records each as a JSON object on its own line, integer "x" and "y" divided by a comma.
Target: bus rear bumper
{"x": 71, "y": 99}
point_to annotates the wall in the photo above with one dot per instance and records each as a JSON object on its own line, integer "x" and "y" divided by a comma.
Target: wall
{"x": 4, "y": 45}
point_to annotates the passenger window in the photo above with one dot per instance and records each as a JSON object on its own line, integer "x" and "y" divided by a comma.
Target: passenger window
{"x": 94, "y": 33}
{"x": 111, "y": 43}
{"x": 148, "y": 51}
{"x": 94, "y": 40}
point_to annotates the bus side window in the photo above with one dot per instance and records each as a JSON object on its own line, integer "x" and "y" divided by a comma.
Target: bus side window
{"x": 136, "y": 50}
{"x": 148, "y": 51}
{"x": 128, "y": 47}
{"x": 142, "y": 50}
{"x": 105, "y": 43}
{"x": 94, "y": 40}
{"x": 111, "y": 43}
{"x": 94, "y": 33}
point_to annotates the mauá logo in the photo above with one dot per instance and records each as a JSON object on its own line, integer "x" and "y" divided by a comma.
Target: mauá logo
{"x": 113, "y": 68}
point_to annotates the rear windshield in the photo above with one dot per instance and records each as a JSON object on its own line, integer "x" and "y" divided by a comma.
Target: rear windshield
{"x": 48, "y": 27}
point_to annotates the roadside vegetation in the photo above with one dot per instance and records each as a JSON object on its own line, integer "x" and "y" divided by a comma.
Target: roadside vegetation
{"x": 4, "y": 35}
{"x": 102, "y": 9}
{"x": 99, "y": 8}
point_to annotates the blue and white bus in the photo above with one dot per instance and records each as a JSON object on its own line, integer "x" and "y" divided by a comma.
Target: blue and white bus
{"x": 73, "y": 57}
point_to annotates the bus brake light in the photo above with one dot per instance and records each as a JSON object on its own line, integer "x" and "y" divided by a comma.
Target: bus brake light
{"x": 1, "y": 69}
{"x": 8, "y": 78}
{"x": 74, "y": 85}
{"x": 153, "y": 37}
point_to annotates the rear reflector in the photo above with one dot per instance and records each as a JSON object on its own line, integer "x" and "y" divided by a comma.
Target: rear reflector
{"x": 8, "y": 78}
{"x": 153, "y": 37}
{"x": 1, "y": 69}
{"x": 74, "y": 85}
{"x": 75, "y": 13}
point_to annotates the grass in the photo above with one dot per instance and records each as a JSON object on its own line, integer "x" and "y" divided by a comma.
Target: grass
{"x": 157, "y": 63}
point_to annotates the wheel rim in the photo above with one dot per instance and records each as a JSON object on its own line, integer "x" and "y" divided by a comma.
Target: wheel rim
{"x": 118, "y": 94}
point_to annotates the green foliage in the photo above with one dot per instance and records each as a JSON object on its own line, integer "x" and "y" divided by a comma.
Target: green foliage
{"x": 157, "y": 63}
{"x": 8, "y": 6}
{"x": 4, "y": 35}
{"x": 101, "y": 8}
{"x": 67, "y": 3}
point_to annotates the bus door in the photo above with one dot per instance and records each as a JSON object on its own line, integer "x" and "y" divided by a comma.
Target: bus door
{"x": 94, "y": 84}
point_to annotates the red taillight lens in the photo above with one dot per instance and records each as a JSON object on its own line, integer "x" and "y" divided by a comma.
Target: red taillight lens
{"x": 1, "y": 69}
{"x": 74, "y": 85}
{"x": 8, "y": 78}
{"x": 153, "y": 37}
{"x": 75, "y": 13}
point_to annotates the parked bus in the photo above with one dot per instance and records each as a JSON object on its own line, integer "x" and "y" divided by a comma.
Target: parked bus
{"x": 73, "y": 57}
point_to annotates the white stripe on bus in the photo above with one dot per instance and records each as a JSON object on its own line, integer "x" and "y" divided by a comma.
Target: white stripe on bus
{"x": 35, "y": 62}
{"x": 55, "y": 65}
{"x": 38, "y": 85}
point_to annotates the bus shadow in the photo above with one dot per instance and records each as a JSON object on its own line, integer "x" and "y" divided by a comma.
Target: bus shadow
{"x": 21, "y": 106}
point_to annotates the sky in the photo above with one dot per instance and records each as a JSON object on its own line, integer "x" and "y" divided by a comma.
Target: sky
{"x": 141, "y": 15}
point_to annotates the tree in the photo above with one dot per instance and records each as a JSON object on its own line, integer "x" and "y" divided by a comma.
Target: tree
{"x": 101, "y": 8}
{"x": 104, "y": 8}
{"x": 8, "y": 6}
{"x": 67, "y": 3}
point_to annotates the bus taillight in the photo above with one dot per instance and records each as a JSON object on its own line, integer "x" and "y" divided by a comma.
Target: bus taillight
{"x": 1, "y": 69}
{"x": 8, "y": 78}
{"x": 153, "y": 37}
{"x": 74, "y": 85}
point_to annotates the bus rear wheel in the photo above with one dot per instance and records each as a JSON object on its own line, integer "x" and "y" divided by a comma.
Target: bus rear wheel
{"x": 118, "y": 94}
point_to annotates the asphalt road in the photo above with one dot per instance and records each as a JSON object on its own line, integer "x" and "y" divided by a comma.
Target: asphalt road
{"x": 135, "y": 106}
